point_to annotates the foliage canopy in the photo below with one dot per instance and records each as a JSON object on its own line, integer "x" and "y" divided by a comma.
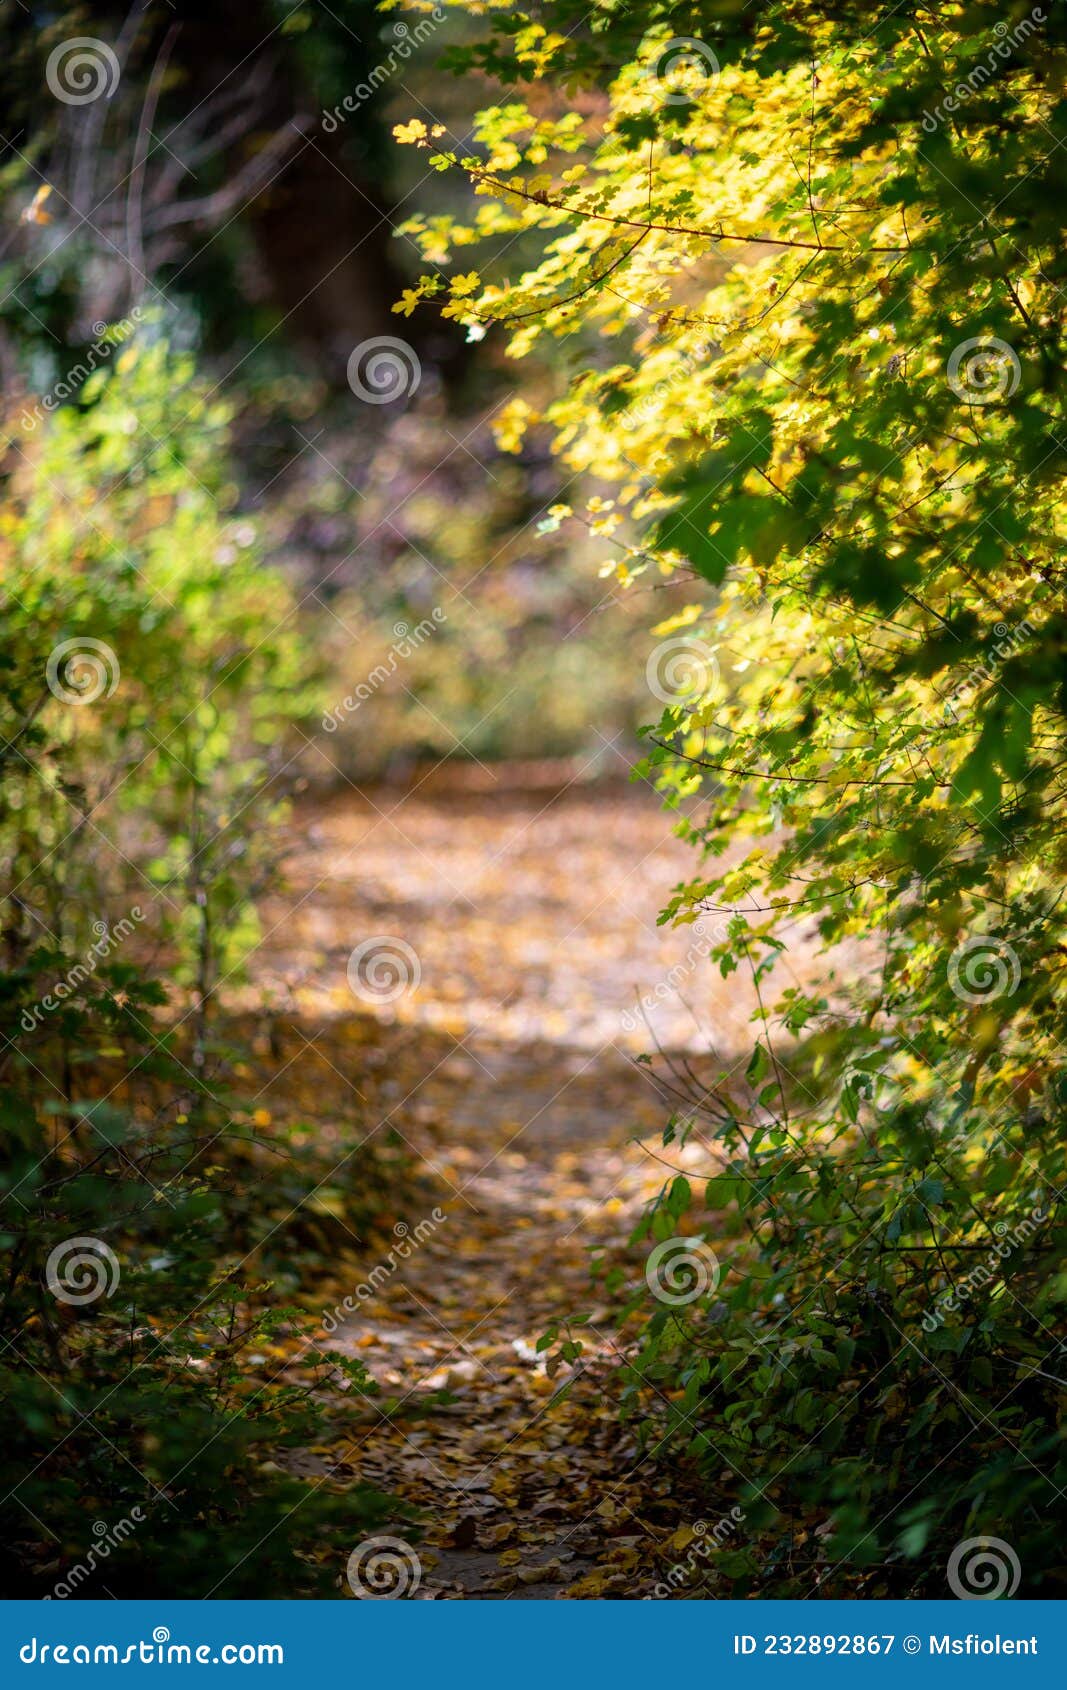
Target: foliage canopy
{"x": 805, "y": 270}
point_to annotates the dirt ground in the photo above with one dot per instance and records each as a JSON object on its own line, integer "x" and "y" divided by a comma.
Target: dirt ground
{"x": 506, "y": 940}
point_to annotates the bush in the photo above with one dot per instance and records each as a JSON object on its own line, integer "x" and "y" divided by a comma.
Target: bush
{"x": 814, "y": 315}
{"x": 150, "y": 684}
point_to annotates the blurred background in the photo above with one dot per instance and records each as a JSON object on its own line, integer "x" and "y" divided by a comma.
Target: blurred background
{"x": 237, "y": 192}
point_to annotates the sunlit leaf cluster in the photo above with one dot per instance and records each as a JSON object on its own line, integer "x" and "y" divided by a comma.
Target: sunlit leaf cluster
{"x": 804, "y": 298}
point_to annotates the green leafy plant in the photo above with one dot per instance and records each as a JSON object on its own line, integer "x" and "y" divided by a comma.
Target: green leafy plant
{"x": 811, "y": 298}
{"x": 154, "y": 1364}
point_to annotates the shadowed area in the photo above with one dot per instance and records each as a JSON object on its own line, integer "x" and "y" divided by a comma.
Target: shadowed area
{"x": 504, "y": 1056}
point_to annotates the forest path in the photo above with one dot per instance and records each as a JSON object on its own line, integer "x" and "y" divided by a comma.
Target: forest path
{"x": 500, "y": 1048}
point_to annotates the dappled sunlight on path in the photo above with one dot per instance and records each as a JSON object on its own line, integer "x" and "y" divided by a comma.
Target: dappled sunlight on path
{"x": 519, "y": 932}
{"x": 532, "y": 915}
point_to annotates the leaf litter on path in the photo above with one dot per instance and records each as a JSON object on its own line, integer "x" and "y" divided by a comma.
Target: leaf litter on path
{"x": 505, "y": 1065}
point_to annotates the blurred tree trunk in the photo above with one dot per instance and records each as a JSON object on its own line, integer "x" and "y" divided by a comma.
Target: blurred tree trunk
{"x": 321, "y": 229}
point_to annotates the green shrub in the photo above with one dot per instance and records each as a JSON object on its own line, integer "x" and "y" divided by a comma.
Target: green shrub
{"x": 814, "y": 317}
{"x": 150, "y": 684}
